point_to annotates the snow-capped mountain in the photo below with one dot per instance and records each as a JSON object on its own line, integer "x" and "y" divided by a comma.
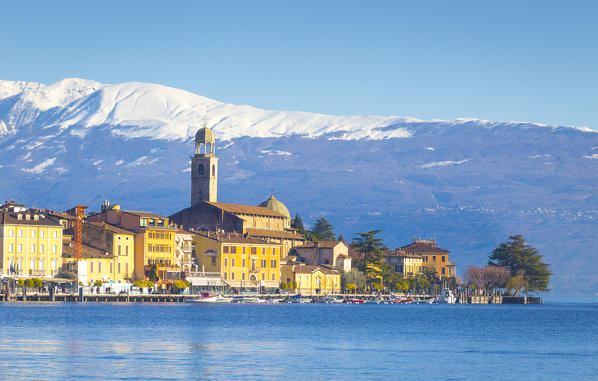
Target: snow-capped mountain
{"x": 468, "y": 183}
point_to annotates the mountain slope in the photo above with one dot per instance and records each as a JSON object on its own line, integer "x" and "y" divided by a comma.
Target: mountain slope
{"x": 468, "y": 183}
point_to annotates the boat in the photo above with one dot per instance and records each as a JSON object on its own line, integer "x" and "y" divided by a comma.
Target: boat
{"x": 446, "y": 297}
{"x": 403, "y": 301}
{"x": 223, "y": 299}
{"x": 299, "y": 299}
{"x": 273, "y": 301}
{"x": 424, "y": 301}
{"x": 373, "y": 301}
{"x": 329, "y": 300}
{"x": 354, "y": 301}
{"x": 205, "y": 298}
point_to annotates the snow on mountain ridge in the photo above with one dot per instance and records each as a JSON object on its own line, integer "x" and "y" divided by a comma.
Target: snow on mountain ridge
{"x": 145, "y": 110}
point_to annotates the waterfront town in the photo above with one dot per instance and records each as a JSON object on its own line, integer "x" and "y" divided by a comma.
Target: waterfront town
{"x": 210, "y": 248}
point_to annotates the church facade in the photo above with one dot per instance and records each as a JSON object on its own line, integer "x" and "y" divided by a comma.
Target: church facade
{"x": 269, "y": 222}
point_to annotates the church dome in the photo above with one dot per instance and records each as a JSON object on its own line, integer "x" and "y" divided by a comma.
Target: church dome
{"x": 275, "y": 205}
{"x": 204, "y": 135}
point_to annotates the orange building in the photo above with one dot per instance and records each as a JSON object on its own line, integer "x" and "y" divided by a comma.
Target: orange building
{"x": 434, "y": 257}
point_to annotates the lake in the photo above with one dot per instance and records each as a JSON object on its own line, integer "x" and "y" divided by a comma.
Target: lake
{"x": 298, "y": 341}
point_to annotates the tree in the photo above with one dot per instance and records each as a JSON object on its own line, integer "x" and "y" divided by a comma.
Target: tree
{"x": 370, "y": 246}
{"x": 518, "y": 256}
{"x": 340, "y": 238}
{"x": 487, "y": 278}
{"x": 353, "y": 276}
{"x": 297, "y": 223}
{"x": 323, "y": 230}
{"x": 516, "y": 283}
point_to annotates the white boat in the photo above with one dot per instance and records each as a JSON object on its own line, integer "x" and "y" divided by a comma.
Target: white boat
{"x": 329, "y": 300}
{"x": 204, "y": 299}
{"x": 273, "y": 301}
{"x": 299, "y": 299}
{"x": 425, "y": 301}
{"x": 446, "y": 296}
{"x": 223, "y": 299}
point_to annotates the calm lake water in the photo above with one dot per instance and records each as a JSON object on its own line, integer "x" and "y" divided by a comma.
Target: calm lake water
{"x": 290, "y": 342}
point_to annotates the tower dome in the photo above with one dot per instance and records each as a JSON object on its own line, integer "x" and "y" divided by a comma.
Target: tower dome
{"x": 205, "y": 142}
{"x": 275, "y": 205}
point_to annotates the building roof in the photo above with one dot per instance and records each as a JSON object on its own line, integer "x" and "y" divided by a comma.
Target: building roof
{"x": 111, "y": 228}
{"x": 310, "y": 269}
{"x": 233, "y": 238}
{"x": 280, "y": 234}
{"x": 144, "y": 214}
{"x": 275, "y": 205}
{"x": 11, "y": 218}
{"x": 326, "y": 244}
{"x": 68, "y": 251}
{"x": 246, "y": 209}
{"x": 424, "y": 247}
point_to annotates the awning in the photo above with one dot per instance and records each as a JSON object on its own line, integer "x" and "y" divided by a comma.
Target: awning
{"x": 197, "y": 281}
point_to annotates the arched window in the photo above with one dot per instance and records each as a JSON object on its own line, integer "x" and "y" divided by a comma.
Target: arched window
{"x": 200, "y": 170}
{"x": 213, "y": 170}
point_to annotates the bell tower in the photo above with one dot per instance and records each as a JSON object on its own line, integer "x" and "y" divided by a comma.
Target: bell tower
{"x": 204, "y": 168}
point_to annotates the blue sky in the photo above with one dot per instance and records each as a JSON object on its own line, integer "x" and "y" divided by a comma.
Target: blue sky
{"x": 503, "y": 60}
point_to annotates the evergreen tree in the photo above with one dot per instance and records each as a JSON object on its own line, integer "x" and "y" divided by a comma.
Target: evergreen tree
{"x": 323, "y": 230}
{"x": 370, "y": 246}
{"x": 340, "y": 238}
{"x": 297, "y": 223}
{"x": 520, "y": 258}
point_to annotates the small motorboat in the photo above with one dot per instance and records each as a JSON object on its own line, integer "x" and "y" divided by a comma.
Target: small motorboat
{"x": 329, "y": 300}
{"x": 299, "y": 299}
{"x": 205, "y": 298}
{"x": 403, "y": 301}
{"x": 446, "y": 296}
{"x": 424, "y": 301}
{"x": 354, "y": 301}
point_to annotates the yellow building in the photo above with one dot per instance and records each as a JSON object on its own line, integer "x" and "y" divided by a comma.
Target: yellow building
{"x": 243, "y": 262}
{"x": 405, "y": 263}
{"x": 30, "y": 242}
{"x": 433, "y": 257}
{"x": 94, "y": 264}
{"x": 154, "y": 240}
{"x": 311, "y": 279}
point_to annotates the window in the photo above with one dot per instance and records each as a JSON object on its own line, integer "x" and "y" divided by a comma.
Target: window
{"x": 243, "y": 249}
{"x": 20, "y": 248}
{"x": 273, "y": 278}
{"x": 32, "y": 248}
{"x": 42, "y": 233}
{"x": 273, "y": 263}
{"x": 20, "y": 233}
{"x": 232, "y": 263}
{"x": 232, "y": 276}
{"x": 99, "y": 266}
{"x": 11, "y": 233}
{"x": 20, "y": 261}
{"x": 54, "y": 249}
{"x": 119, "y": 250}
{"x": 443, "y": 258}
{"x": 111, "y": 267}
{"x": 263, "y": 263}
{"x": 225, "y": 249}
{"x": 54, "y": 234}
{"x": 254, "y": 250}
{"x": 263, "y": 251}
{"x": 233, "y": 250}
{"x": 225, "y": 262}
{"x": 213, "y": 261}
{"x": 225, "y": 276}
{"x": 443, "y": 270}
{"x": 11, "y": 247}
{"x": 40, "y": 264}
{"x": 243, "y": 262}
{"x": 213, "y": 170}
{"x": 126, "y": 268}
{"x": 118, "y": 267}
{"x": 263, "y": 276}
{"x": 243, "y": 276}
{"x": 41, "y": 248}
{"x": 200, "y": 170}
{"x": 90, "y": 267}
{"x": 32, "y": 264}
{"x": 33, "y": 233}
{"x": 54, "y": 264}
{"x": 434, "y": 258}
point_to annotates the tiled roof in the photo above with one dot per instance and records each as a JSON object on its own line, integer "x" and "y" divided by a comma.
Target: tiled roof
{"x": 326, "y": 244}
{"x": 144, "y": 214}
{"x": 423, "y": 248}
{"x": 284, "y": 234}
{"x": 68, "y": 251}
{"x": 246, "y": 209}
{"x": 112, "y": 228}
{"x": 10, "y": 218}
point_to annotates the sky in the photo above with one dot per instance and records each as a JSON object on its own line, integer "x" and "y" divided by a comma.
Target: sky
{"x": 533, "y": 61}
